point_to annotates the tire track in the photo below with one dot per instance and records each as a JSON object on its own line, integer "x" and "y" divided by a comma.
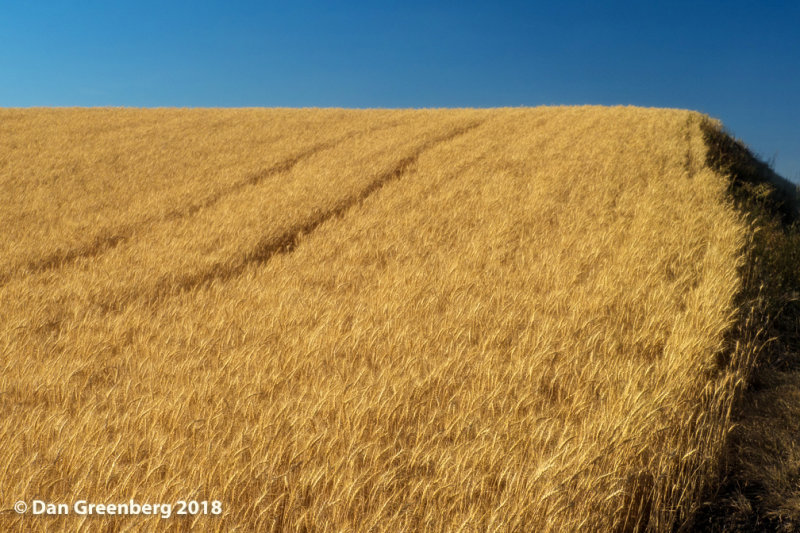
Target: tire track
{"x": 102, "y": 243}
{"x": 105, "y": 242}
{"x": 288, "y": 240}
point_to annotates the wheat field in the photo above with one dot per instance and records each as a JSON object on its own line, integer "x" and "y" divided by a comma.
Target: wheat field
{"x": 380, "y": 320}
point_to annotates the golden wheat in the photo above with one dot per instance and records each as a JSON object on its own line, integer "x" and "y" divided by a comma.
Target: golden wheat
{"x": 468, "y": 320}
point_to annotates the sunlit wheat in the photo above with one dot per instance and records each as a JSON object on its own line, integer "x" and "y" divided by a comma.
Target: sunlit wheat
{"x": 328, "y": 320}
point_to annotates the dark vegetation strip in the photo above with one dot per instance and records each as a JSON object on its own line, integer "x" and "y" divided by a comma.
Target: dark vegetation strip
{"x": 769, "y": 319}
{"x": 112, "y": 238}
{"x": 689, "y": 157}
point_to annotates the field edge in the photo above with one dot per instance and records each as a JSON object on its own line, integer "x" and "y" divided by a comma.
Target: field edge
{"x": 768, "y": 328}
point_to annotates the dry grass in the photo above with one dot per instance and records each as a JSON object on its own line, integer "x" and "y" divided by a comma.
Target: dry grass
{"x": 505, "y": 320}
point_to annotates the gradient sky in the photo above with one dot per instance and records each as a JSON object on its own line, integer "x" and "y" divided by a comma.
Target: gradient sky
{"x": 737, "y": 61}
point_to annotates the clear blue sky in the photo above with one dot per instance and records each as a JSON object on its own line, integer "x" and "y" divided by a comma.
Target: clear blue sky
{"x": 738, "y": 61}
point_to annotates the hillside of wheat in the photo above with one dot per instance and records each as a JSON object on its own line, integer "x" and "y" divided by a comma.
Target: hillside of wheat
{"x": 384, "y": 320}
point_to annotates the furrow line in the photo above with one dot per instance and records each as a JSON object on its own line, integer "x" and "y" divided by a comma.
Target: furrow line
{"x": 101, "y": 244}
